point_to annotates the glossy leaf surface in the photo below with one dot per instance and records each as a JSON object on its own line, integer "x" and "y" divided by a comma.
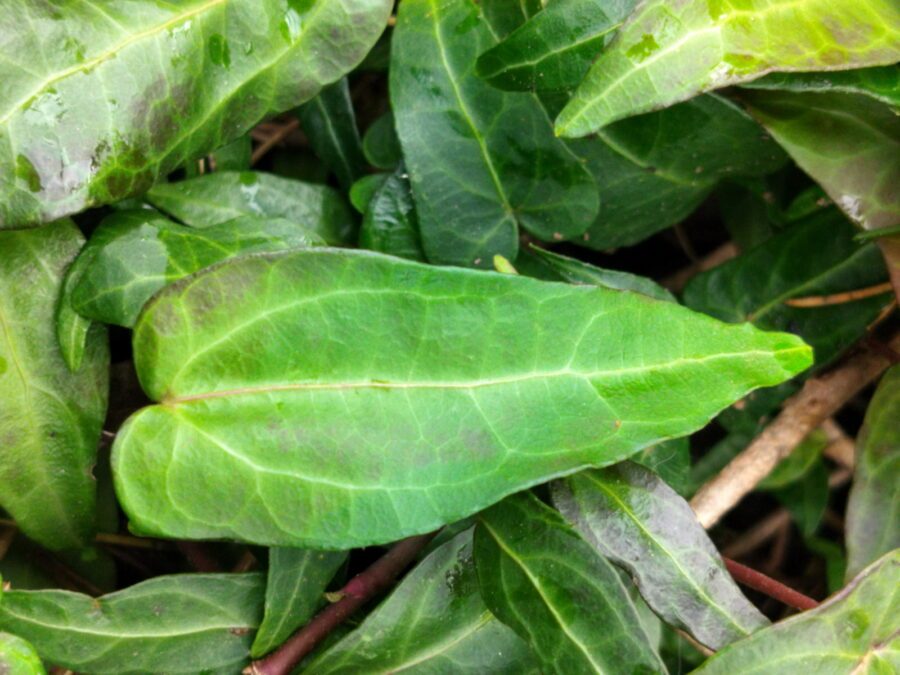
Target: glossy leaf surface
{"x": 638, "y": 522}
{"x": 381, "y": 145}
{"x": 225, "y": 195}
{"x": 390, "y": 224}
{"x": 481, "y": 161}
{"x": 434, "y": 622}
{"x": 542, "y": 579}
{"x": 671, "y": 51}
{"x": 175, "y": 624}
{"x": 873, "y": 510}
{"x": 167, "y": 83}
{"x": 295, "y": 590}
{"x": 397, "y": 397}
{"x": 50, "y": 418}
{"x": 854, "y": 631}
{"x": 17, "y": 657}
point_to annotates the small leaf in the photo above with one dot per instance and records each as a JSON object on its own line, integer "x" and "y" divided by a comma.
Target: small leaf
{"x": 881, "y": 83}
{"x": 184, "y": 623}
{"x": 50, "y": 418}
{"x": 390, "y": 224}
{"x": 489, "y": 383}
{"x": 226, "y": 195}
{"x": 330, "y": 124}
{"x": 381, "y": 145}
{"x": 796, "y": 465}
{"x": 543, "y": 580}
{"x": 638, "y": 522}
{"x": 854, "y": 631}
{"x": 434, "y": 622}
{"x": 669, "y": 52}
{"x": 873, "y": 510}
{"x": 294, "y": 592}
{"x": 807, "y": 498}
{"x": 17, "y": 657}
{"x": 104, "y": 99}
{"x": 364, "y": 189}
{"x": 489, "y": 157}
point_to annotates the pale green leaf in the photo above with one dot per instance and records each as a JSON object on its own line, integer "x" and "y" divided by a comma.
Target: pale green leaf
{"x": 17, "y": 657}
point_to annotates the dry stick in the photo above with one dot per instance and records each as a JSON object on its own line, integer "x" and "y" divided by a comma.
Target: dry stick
{"x": 274, "y": 140}
{"x": 774, "y": 589}
{"x": 819, "y": 399}
{"x": 840, "y": 298}
{"x": 198, "y": 556}
{"x": 358, "y": 591}
{"x": 677, "y": 281}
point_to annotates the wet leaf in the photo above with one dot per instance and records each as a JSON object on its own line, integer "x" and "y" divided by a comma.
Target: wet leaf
{"x": 482, "y": 162}
{"x": 854, "y": 631}
{"x": 542, "y": 579}
{"x": 638, "y": 522}
{"x": 669, "y": 52}
{"x": 410, "y": 396}
{"x": 390, "y": 224}
{"x": 226, "y": 195}
{"x": 184, "y": 623}
{"x": 17, "y": 657}
{"x": 434, "y": 622}
{"x": 166, "y": 83}
{"x": 50, "y": 418}
{"x": 295, "y": 590}
{"x": 873, "y": 510}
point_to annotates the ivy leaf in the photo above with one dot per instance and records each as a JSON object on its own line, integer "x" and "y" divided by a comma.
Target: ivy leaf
{"x": 489, "y": 383}
{"x": 50, "y": 418}
{"x": 638, "y": 522}
{"x": 543, "y": 580}
{"x": 381, "y": 145}
{"x": 669, "y": 52}
{"x": 102, "y": 101}
{"x": 881, "y": 83}
{"x": 294, "y": 592}
{"x": 185, "y": 623}
{"x": 434, "y": 622}
{"x": 225, "y": 195}
{"x": 485, "y": 156}
{"x": 873, "y": 510}
{"x": 17, "y": 657}
{"x": 390, "y": 224}
{"x": 854, "y": 631}
{"x": 330, "y": 124}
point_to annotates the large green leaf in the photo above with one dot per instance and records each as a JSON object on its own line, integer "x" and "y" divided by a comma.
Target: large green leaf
{"x": 670, "y": 51}
{"x": 390, "y": 224}
{"x": 881, "y": 83}
{"x": 482, "y": 162}
{"x": 637, "y": 521}
{"x": 226, "y": 195}
{"x": 295, "y": 589}
{"x": 814, "y": 257}
{"x": 395, "y": 397}
{"x": 505, "y": 16}
{"x": 855, "y": 631}
{"x": 17, "y": 657}
{"x": 873, "y": 510}
{"x": 849, "y": 143}
{"x": 653, "y": 170}
{"x": 541, "y": 578}
{"x": 185, "y": 623}
{"x": 100, "y": 100}
{"x": 50, "y": 418}
{"x": 434, "y": 622}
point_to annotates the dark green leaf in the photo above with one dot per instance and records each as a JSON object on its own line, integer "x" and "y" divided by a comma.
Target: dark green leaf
{"x": 434, "y": 622}
{"x": 294, "y": 591}
{"x": 505, "y": 15}
{"x": 185, "y": 623}
{"x": 633, "y": 518}
{"x": 234, "y": 156}
{"x": 835, "y": 560}
{"x": 17, "y": 657}
{"x": 749, "y": 211}
{"x": 482, "y": 162}
{"x": 390, "y": 224}
{"x": 330, "y": 125}
{"x": 669, "y": 52}
{"x": 542, "y": 579}
{"x": 381, "y": 145}
{"x": 873, "y": 512}
{"x": 815, "y": 257}
{"x": 100, "y": 100}
{"x": 881, "y": 83}
{"x": 50, "y": 418}
{"x": 796, "y": 465}
{"x": 807, "y": 498}
{"x": 223, "y": 196}
{"x": 396, "y": 396}
{"x": 365, "y": 188}
{"x": 854, "y": 631}
{"x": 671, "y": 461}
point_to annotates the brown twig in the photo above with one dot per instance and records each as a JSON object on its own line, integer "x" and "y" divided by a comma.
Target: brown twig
{"x": 114, "y": 539}
{"x": 774, "y": 589}
{"x": 274, "y": 139}
{"x": 819, "y": 399}
{"x": 198, "y": 556}
{"x": 759, "y": 534}
{"x": 677, "y": 281}
{"x": 358, "y": 591}
{"x": 840, "y": 298}
{"x": 840, "y": 449}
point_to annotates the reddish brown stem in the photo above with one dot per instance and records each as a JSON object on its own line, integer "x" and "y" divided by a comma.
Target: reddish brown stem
{"x": 774, "y": 589}
{"x": 358, "y": 591}
{"x": 198, "y": 556}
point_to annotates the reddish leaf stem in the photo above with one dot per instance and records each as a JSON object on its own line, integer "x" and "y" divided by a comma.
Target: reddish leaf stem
{"x": 358, "y": 591}
{"x": 774, "y": 589}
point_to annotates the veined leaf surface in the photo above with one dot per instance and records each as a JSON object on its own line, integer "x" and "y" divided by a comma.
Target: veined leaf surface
{"x": 17, "y": 657}
{"x": 50, "y": 418}
{"x": 671, "y": 50}
{"x": 101, "y": 100}
{"x": 881, "y": 83}
{"x": 396, "y": 397}
{"x": 390, "y": 224}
